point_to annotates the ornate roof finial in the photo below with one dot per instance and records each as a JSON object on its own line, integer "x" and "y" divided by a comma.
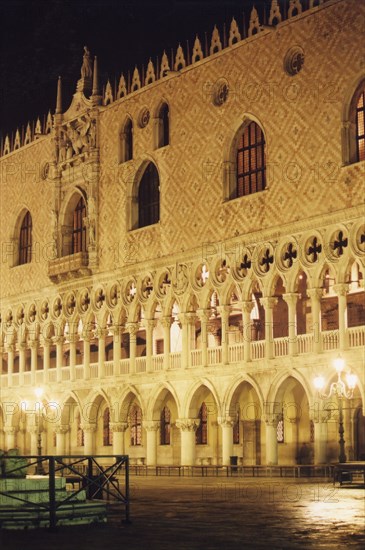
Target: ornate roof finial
{"x": 59, "y": 97}
{"x": 96, "y": 90}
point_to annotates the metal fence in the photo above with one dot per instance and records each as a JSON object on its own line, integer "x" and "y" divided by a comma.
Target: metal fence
{"x": 103, "y": 477}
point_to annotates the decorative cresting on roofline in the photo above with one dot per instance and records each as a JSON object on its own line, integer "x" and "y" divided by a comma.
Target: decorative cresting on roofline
{"x": 183, "y": 57}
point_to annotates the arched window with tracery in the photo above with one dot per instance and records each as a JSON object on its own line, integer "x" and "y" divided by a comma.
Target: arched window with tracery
{"x": 25, "y": 240}
{"x": 201, "y": 434}
{"x": 107, "y": 433}
{"x": 360, "y": 123}
{"x": 165, "y": 426}
{"x": 250, "y": 161}
{"x": 163, "y": 126}
{"x": 135, "y": 425}
{"x": 149, "y": 197}
{"x": 78, "y": 243}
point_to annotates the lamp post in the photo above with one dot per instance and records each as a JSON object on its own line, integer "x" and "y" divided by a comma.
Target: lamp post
{"x": 39, "y": 470}
{"x": 340, "y": 390}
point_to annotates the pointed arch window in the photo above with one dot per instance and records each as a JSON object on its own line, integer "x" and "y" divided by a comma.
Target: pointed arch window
{"x": 165, "y": 426}
{"x": 135, "y": 424}
{"x": 360, "y": 125}
{"x": 201, "y": 434}
{"x": 78, "y": 243}
{"x": 107, "y": 433}
{"x": 25, "y": 240}
{"x": 250, "y": 162}
{"x": 126, "y": 142}
{"x": 149, "y": 197}
{"x": 164, "y": 126}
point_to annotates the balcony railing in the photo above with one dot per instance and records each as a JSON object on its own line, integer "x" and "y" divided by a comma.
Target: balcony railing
{"x": 305, "y": 342}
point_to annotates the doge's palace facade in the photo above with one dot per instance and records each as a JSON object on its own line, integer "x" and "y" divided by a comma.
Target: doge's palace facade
{"x": 184, "y": 254}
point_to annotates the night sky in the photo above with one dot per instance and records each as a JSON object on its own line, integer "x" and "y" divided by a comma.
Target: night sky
{"x": 40, "y": 40}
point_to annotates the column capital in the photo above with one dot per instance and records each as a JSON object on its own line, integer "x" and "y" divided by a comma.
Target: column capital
{"x": 341, "y": 289}
{"x": 246, "y": 305}
{"x": 45, "y": 342}
{"x": 268, "y": 302}
{"x": 73, "y": 338}
{"x": 58, "y": 340}
{"x": 291, "y": 298}
{"x": 187, "y": 424}
{"x": 34, "y": 429}
{"x": 118, "y": 426}
{"x": 101, "y": 333}
{"x": 62, "y": 429}
{"x": 187, "y": 317}
{"x": 224, "y": 311}
{"x": 132, "y": 328}
{"x": 9, "y": 348}
{"x": 166, "y": 322}
{"x": 89, "y": 428}
{"x": 10, "y": 430}
{"x": 151, "y": 425}
{"x": 315, "y": 293}
{"x": 149, "y": 323}
{"x": 271, "y": 419}
{"x": 203, "y": 315}
{"x": 225, "y": 421}
{"x": 33, "y": 344}
{"x": 116, "y": 330}
{"x": 22, "y": 346}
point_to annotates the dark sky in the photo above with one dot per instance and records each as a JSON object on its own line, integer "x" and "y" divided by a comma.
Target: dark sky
{"x": 41, "y": 39}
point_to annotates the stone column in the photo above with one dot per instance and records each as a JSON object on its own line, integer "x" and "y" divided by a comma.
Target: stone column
{"x": 10, "y": 348}
{"x": 59, "y": 340}
{"x": 132, "y": 328}
{"x": 10, "y": 437}
{"x": 118, "y": 429}
{"x": 247, "y": 307}
{"x": 226, "y": 423}
{"x": 320, "y": 440}
{"x": 291, "y": 299}
{"x": 188, "y": 427}
{"x": 22, "y": 348}
{"x": 341, "y": 291}
{"x": 269, "y": 303}
{"x": 204, "y": 319}
{"x": 117, "y": 334}
{"x": 185, "y": 360}
{"x": 33, "y": 344}
{"x": 46, "y": 358}
{"x": 61, "y": 432}
{"x": 150, "y": 325}
{"x": 224, "y": 311}
{"x": 166, "y": 324}
{"x": 33, "y": 430}
{"x": 151, "y": 428}
{"x": 73, "y": 338}
{"x": 89, "y": 430}
{"x": 101, "y": 334}
{"x": 86, "y": 338}
{"x": 271, "y": 440}
{"x": 315, "y": 295}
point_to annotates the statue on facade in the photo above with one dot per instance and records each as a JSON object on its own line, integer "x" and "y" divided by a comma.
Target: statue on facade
{"x": 86, "y": 69}
{"x": 91, "y": 219}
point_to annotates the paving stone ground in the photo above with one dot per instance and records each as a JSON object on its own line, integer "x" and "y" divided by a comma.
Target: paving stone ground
{"x": 210, "y": 513}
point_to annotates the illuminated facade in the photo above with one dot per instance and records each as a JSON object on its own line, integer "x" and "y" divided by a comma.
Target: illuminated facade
{"x": 183, "y": 255}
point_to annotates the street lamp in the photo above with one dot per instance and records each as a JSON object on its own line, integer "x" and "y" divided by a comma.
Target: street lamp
{"x": 340, "y": 390}
{"x": 39, "y": 470}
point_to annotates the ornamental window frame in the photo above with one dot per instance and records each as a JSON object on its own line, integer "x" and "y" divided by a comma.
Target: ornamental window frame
{"x": 351, "y": 133}
{"x": 230, "y": 163}
{"x": 25, "y": 241}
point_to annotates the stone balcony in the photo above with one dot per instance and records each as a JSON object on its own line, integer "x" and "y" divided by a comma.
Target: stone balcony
{"x": 73, "y": 265}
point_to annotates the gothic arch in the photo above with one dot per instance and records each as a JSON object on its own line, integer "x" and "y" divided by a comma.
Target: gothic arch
{"x": 348, "y": 133}
{"x": 230, "y": 153}
{"x": 133, "y": 192}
